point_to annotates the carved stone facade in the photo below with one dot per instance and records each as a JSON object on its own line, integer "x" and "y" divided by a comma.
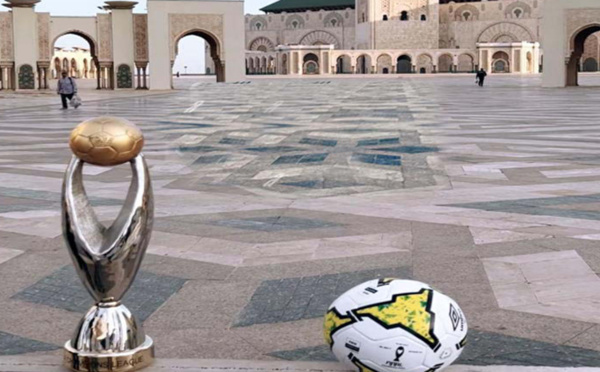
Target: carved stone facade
{"x": 425, "y": 30}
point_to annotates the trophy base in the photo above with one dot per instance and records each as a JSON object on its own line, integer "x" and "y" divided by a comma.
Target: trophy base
{"x": 131, "y": 360}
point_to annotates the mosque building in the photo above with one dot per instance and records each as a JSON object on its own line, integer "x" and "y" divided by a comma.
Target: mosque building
{"x": 302, "y": 37}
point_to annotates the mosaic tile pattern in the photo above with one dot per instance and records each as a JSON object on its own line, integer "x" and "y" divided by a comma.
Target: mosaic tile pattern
{"x": 64, "y": 290}
{"x": 389, "y": 160}
{"x": 292, "y": 299}
{"x": 554, "y": 207}
{"x": 300, "y": 159}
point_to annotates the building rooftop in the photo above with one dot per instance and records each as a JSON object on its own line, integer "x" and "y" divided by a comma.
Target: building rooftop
{"x": 304, "y": 5}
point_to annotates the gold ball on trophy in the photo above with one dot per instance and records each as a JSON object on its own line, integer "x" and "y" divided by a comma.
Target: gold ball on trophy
{"x": 106, "y": 141}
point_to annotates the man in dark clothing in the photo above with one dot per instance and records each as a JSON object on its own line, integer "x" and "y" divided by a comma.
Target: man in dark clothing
{"x": 67, "y": 88}
{"x": 481, "y": 74}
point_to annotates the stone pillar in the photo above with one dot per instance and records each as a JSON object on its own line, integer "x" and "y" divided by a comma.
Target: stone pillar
{"x": 122, "y": 38}
{"x": 138, "y": 73}
{"x": 98, "y": 73}
{"x": 1, "y": 78}
{"x": 434, "y": 69}
{"x": 144, "y": 72}
{"x": 111, "y": 77}
{"x": 25, "y": 34}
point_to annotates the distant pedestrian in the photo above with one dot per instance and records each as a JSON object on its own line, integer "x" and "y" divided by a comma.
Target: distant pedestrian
{"x": 177, "y": 73}
{"x": 480, "y": 77}
{"x": 67, "y": 88}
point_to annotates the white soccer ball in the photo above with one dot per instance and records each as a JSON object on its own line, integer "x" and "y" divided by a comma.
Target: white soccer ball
{"x": 392, "y": 325}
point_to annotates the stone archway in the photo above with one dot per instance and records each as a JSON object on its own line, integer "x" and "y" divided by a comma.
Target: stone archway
{"x": 384, "y": 64}
{"x": 311, "y": 64}
{"x": 104, "y": 74}
{"x": 214, "y": 47}
{"x": 445, "y": 63}
{"x": 577, "y": 43}
{"x": 363, "y": 64}
{"x": 466, "y": 63}
{"x": 344, "y": 64}
{"x": 500, "y": 62}
{"x": 404, "y": 64}
{"x": 425, "y": 64}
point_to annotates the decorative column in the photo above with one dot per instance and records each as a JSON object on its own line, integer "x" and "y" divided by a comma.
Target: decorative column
{"x": 141, "y": 78}
{"x": 111, "y": 76}
{"x": 43, "y": 70}
{"x": 138, "y": 71}
{"x": 1, "y": 78}
{"x": 97, "y": 72}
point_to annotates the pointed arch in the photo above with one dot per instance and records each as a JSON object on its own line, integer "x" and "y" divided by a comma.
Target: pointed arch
{"x": 502, "y": 30}
{"x": 320, "y": 38}
{"x": 262, "y": 44}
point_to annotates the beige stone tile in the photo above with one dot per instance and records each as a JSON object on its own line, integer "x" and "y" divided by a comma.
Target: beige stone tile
{"x": 503, "y": 272}
{"x": 573, "y": 289}
{"x": 488, "y": 236}
{"x": 538, "y": 257}
{"x": 513, "y": 295}
{"x": 556, "y": 269}
{"x": 8, "y": 254}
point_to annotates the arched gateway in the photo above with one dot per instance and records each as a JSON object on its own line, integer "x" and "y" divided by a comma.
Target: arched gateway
{"x": 123, "y": 45}
{"x": 568, "y": 24}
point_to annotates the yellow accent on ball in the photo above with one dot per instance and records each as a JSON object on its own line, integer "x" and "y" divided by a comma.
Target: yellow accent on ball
{"x": 106, "y": 141}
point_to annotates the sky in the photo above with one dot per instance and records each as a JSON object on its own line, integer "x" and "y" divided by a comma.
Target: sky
{"x": 191, "y": 48}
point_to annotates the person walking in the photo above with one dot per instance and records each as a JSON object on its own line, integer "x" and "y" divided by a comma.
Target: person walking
{"x": 480, "y": 78}
{"x": 67, "y": 88}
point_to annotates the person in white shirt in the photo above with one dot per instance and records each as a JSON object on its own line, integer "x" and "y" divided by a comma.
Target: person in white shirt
{"x": 67, "y": 88}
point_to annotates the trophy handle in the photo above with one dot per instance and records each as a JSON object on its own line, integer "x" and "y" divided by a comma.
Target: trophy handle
{"x": 107, "y": 259}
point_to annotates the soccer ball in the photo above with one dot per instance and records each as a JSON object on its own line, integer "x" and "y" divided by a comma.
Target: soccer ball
{"x": 106, "y": 141}
{"x": 395, "y": 325}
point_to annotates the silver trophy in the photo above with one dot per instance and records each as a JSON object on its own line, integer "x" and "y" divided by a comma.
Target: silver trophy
{"x": 108, "y": 338}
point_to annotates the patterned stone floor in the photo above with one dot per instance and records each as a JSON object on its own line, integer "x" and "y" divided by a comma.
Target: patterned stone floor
{"x": 275, "y": 196}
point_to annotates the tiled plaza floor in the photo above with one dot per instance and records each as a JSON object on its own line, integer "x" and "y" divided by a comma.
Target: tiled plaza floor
{"x": 275, "y": 196}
